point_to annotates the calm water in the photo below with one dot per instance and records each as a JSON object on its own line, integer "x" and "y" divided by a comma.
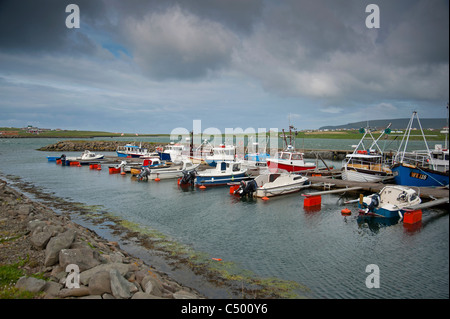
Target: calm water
{"x": 322, "y": 250}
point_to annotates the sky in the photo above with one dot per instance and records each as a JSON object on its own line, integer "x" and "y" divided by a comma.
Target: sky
{"x": 151, "y": 66}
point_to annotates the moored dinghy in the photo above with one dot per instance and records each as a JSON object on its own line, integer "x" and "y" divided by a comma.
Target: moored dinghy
{"x": 225, "y": 172}
{"x": 174, "y": 171}
{"x": 391, "y": 202}
{"x": 273, "y": 184}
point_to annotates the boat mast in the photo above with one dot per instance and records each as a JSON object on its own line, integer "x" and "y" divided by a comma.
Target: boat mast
{"x": 446, "y": 135}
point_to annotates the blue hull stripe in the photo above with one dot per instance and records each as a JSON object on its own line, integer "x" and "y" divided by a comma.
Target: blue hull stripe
{"x": 416, "y": 177}
{"x": 219, "y": 180}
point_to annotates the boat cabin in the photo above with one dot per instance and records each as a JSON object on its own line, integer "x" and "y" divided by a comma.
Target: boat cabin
{"x": 398, "y": 196}
{"x": 289, "y": 156}
{"x": 228, "y": 166}
{"x": 364, "y": 161}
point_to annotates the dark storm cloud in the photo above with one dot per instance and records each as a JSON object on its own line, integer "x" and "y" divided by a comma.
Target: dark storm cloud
{"x": 168, "y": 56}
{"x": 39, "y": 26}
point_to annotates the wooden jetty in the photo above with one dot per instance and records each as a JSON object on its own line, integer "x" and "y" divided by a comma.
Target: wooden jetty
{"x": 324, "y": 183}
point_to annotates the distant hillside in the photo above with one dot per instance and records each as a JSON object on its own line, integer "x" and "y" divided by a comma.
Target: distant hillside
{"x": 396, "y": 124}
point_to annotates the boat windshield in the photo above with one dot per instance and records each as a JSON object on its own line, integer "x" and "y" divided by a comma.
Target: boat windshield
{"x": 296, "y": 156}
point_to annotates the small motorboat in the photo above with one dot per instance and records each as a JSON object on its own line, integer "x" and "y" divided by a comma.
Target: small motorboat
{"x": 174, "y": 171}
{"x": 391, "y": 201}
{"x": 222, "y": 174}
{"x": 273, "y": 184}
{"x": 86, "y": 158}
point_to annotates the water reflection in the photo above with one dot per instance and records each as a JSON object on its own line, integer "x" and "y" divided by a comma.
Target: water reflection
{"x": 376, "y": 223}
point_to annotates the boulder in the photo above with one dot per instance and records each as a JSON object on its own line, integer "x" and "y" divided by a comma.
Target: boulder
{"x": 182, "y": 294}
{"x": 62, "y": 241}
{"x": 100, "y": 283}
{"x": 52, "y": 289}
{"x": 31, "y": 284}
{"x": 120, "y": 287}
{"x": 24, "y": 209}
{"x": 152, "y": 285}
{"x": 40, "y": 240}
{"x": 86, "y": 276}
{"x": 74, "y": 292}
{"x": 82, "y": 257}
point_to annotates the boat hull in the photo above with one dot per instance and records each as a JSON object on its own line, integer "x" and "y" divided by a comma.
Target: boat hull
{"x": 382, "y": 212}
{"x": 218, "y": 180}
{"x": 273, "y": 165}
{"x": 121, "y": 154}
{"x": 410, "y": 175}
{"x": 357, "y": 176}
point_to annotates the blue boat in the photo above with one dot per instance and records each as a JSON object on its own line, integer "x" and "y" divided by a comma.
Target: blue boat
{"x": 133, "y": 151}
{"x": 424, "y": 168}
{"x": 391, "y": 202}
{"x": 223, "y": 173}
{"x": 414, "y": 175}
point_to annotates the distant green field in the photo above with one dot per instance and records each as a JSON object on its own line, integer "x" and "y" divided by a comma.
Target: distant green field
{"x": 355, "y": 134}
{"x": 350, "y": 134}
{"x": 70, "y": 133}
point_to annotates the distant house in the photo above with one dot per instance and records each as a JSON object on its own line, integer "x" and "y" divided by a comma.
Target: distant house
{"x": 35, "y": 130}
{"x": 9, "y": 133}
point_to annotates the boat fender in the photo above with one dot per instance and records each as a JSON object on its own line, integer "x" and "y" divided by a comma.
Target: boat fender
{"x": 346, "y": 211}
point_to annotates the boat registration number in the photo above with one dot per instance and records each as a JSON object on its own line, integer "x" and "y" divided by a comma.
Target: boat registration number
{"x": 418, "y": 175}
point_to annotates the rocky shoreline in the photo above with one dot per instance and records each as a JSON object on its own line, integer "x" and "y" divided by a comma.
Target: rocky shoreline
{"x": 96, "y": 146}
{"x": 30, "y": 231}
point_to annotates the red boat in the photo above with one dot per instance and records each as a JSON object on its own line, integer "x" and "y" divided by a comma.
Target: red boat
{"x": 289, "y": 159}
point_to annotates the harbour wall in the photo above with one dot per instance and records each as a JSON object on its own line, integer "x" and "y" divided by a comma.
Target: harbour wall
{"x": 111, "y": 146}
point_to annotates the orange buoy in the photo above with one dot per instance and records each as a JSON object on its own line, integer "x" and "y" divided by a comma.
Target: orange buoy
{"x": 265, "y": 198}
{"x": 157, "y": 179}
{"x": 346, "y": 211}
{"x": 218, "y": 259}
{"x": 202, "y": 187}
{"x": 122, "y": 173}
{"x": 99, "y": 167}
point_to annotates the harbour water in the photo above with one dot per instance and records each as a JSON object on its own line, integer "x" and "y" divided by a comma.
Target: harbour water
{"x": 323, "y": 251}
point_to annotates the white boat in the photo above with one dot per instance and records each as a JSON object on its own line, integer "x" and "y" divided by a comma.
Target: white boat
{"x": 391, "y": 201}
{"x": 223, "y": 173}
{"x": 221, "y": 153}
{"x": 172, "y": 153}
{"x": 366, "y": 165}
{"x": 86, "y": 156}
{"x": 274, "y": 184}
{"x": 174, "y": 171}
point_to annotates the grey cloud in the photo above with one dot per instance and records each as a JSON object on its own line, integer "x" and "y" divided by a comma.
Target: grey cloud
{"x": 177, "y": 44}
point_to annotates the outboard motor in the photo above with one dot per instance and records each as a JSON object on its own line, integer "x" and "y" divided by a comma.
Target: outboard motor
{"x": 145, "y": 172}
{"x": 63, "y": 159}
{"x": 374, "y": 202}
{"x": 188, "y": 177}
{"x": 246, "y": 188}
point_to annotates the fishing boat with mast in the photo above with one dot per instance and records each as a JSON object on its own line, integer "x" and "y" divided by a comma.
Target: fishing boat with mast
{"x": 367, "y": 164}
{"x": 424, "y": 168}
{"x": 289, "y": 159}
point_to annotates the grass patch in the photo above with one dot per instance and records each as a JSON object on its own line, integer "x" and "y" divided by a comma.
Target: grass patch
{"x": 9, "y": 275}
